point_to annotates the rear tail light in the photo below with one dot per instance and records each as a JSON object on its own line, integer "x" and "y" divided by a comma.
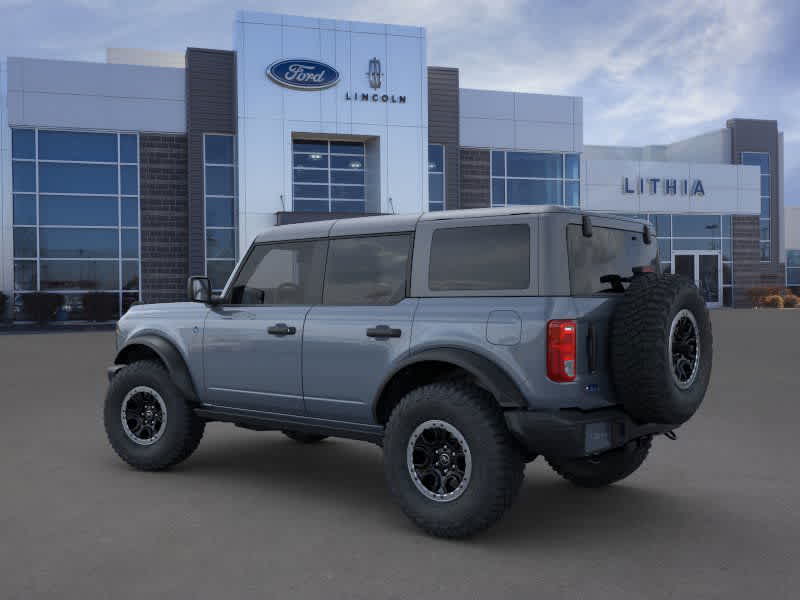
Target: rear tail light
{"x": 561, "y": 350}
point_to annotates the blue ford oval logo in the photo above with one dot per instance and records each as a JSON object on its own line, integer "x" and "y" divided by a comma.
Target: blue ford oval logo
{"x": 303, "y": 74}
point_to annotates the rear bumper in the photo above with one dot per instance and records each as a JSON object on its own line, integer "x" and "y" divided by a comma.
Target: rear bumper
{"x": 575, "y": 433}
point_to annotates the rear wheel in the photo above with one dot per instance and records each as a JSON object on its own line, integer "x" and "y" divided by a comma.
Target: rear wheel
{"x": 604, "y": 469}
{"x": 450, "y": 461}
{"x": 303, "y": 437}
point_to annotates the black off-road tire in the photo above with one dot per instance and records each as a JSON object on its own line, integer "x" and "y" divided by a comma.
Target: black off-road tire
{"x": 604, "y": 469}
{"x": 303, "y": 437}
{"x": 641, "y": 364}
{"x": 183, "y": 429}
{"x": 497, "y": 467}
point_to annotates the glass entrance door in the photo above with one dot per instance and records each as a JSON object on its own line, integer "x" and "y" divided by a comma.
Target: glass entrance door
{"x": 704, "y": 268}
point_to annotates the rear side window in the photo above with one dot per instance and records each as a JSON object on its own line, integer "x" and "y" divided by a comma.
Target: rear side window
{"x": 370, "y": 270}
{"x": 282, "y": 273}
{"x": 487, "y": 257}
{"x": 607, "y": 252}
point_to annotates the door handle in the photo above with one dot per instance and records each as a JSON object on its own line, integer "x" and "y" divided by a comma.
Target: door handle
{"x": 281, "y": 329}
{"x": 383, "y": 331}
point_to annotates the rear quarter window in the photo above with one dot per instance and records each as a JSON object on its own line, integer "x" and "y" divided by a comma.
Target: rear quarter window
{"x": 485, "y": 257}
{"x": 608, "y": 252}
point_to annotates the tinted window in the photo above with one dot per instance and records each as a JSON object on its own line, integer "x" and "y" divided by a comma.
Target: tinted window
{"x": 492, "y": 257}
{"x": 79, "y": 275}
{"x": 607, "y": 252}
{"x": 529, "y": 164}
{"x": 73, "y": 145}
{"x": 283, "y": 273}
{"x": 77, "y": 210}
{"x": 55, "y": 242}
{"x": 219, "y": 149}
{"x": 22, "y": 143}
{"x": 128, "y": 151}
{"x": 367, "y": 270}
{"x": 67, "y": 178}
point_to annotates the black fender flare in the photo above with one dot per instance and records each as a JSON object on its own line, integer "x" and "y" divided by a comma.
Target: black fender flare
{"x": 169, "y": 355}
{"x": 486, "y": 372}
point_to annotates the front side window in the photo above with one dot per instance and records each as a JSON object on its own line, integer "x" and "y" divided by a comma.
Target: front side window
{"x": 488, "y": 257}
{"x": 328, "y": 176}
{"x": 535, "y": 178}
{"x": 281, "y": 273}
{"x": 435, "y": 177}
{"x": 370, "y": 270}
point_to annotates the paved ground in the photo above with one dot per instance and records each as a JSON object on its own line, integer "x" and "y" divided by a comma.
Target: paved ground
{"x": 253, "y": 515}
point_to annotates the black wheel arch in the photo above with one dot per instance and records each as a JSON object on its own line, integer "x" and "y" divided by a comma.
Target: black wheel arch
{"x": 484, "y": 371}
{"x": 145, "y": 346}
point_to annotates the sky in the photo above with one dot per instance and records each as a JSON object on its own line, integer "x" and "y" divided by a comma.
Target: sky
{"x": 649, "y": 72}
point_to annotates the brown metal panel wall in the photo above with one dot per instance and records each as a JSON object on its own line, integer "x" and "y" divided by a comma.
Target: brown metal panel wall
{"x": 746, "y": 253}
{"x": 210, "y": 108}
{"x": 443, "y": 114}
{"x": 475, "y": 179}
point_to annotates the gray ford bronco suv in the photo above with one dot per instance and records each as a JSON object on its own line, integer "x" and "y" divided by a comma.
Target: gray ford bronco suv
{"x": 465, "y": 343}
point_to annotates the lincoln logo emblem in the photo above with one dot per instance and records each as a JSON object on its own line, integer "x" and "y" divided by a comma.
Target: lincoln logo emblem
{"x": 374, "y": 74}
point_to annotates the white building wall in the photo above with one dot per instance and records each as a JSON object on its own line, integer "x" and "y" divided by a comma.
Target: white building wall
{"x": 81, "y": 95}
{"x": 713, "y": 147}
{"x": 147, "y": 58}
{"x": 511, "y": 120}
{"x": 270, "y": 114}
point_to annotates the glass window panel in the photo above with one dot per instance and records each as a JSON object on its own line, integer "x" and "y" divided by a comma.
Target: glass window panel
{"x": 130, "y": 243}
{"x": 56, "y": 242}
{"x": 765, "y": 185}
{"x": 503, "y": 263}
{"x": 436, "y": 188}
{"x": 350, "y": 192}
{"x": 310, "y": 191}
{"x": 130, "y": 274}
{"x": 522, "y": 191}
{"x": 727, "y": 225}
{"x": 218, "y": 272}
{"x": 695, "y": 244}
{"x": 498, "y": 163}
{"x": 219, "y": 181}
{"x": 129, "y": 180}
{"x": 79, "y": 146}
{"x": 79, "y": 275}
{"x": 128, "y": 299}
{"x": 310, "y": 146}
{"x": 219, "y": 149}
{"x": 23, "y": 143}
{"x": 765, "y": 207}
{"x": 348, "y": 206}
{"x": 727, "y": 249}
{"x": 435, "y": 206}
{"x": 765, "y": 251}
{"x": 77, "y": 179}
{"x": 763, "y": 229}
{"x": 347, "y": 148}
{"x": 311, "y": 175}
{"x": 531, "y": 164}
{"x": 25, "y": 275}
{"x": 663, "y": 225}
{"x": 793, "y": 258}
{"x": 727, "y": 273}
{"x": 573, "y": 166}
{"x": 664, "y": 248}
{"x": 314, "y": 161}
{"x": 311, "y": 205}
{"x": 128, "y": 148}
{"x": 347, "y": 162}
{"x": 696, "y": 225}
{"x": 367, "y": 270}
{"x": 498, "y": 192}
{"x": 130, "y": 212}
{"x": 793, "y": 277}
{"x": 666, "y": 268}
{"x": 356, "y": 177}
{"x": 219, "y": 212}
{"x": 220, "y": 243}
{"x": 77, "y": 210}
{"x": 24, "y": 209}
{"x": 572, "y": 191}
{"x": 759, "y": 159}
{"x": 23, "y": 176}
{"x": 25, "y": 242}
{"x": 727, "y": 296}
{"x": 435, "y": 158}
{"x": 281, "y": 273}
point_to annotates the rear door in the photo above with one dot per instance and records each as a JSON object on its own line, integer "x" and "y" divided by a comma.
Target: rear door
{"x": 362, "y": 326}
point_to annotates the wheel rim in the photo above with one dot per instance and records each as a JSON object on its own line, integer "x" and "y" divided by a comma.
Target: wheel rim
{"x": 439, "y": 461}
{"x": 144, "y": 415}
{"x": 684, "y": 349}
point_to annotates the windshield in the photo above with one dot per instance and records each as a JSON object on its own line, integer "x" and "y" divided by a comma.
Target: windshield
{"x": 604, "y": 262}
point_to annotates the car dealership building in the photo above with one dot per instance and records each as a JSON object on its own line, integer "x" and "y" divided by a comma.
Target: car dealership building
{"x": 127, "y": 176}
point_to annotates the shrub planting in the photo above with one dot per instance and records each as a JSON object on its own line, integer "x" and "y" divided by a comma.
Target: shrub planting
{"x": 790, "y": 301}
{"x": 773, "y": 301}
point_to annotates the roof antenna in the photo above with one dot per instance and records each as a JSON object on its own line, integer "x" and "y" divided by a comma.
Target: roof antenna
{"x": 391, "y": 205}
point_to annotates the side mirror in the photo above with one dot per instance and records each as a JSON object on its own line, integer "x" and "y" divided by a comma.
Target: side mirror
{"x": 199, "y": 289}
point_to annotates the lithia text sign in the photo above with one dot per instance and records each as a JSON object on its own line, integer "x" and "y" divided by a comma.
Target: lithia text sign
{"x": 667, "y": 186}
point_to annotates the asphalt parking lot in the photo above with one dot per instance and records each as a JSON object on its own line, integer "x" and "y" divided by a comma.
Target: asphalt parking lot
{"x": 254, "y": 515}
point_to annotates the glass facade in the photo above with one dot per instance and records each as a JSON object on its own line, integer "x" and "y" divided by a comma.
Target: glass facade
{"x": 219, "y": 159}
{"x": 793, "y": 268}
{"x": 328, "y": 176}
{"x": 761, "y": 160}
{"x": 436, "y": 200}
{"x": 76, "y": 217}
{"x": 535, "y": 178}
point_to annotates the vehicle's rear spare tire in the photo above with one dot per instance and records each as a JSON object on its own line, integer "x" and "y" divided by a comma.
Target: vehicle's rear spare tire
{"x": 661, "y": 349}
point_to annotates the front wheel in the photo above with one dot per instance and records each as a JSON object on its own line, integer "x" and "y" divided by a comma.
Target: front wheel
{"x": 606, "y": 468}
{"x": 450, "y": 461}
